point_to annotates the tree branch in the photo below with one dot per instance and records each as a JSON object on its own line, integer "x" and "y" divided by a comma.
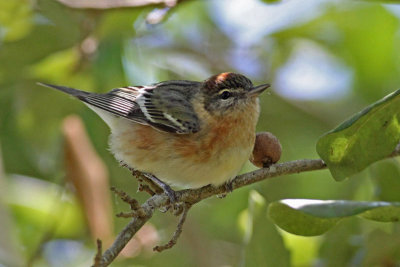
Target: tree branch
{"x": 192, "y": 196}
{"x": 178, "y": 231}
{"x": 107, "y": 4}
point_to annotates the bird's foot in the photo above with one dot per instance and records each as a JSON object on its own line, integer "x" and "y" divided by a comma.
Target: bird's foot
{"x": 155, "y": 185}
{"x": 163, "y": 186}
{"x": 228, "y": 189}
{"x": 228, "y": 186}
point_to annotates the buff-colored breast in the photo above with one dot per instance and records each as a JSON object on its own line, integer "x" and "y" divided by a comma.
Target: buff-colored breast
{"x": 212, "y": 156}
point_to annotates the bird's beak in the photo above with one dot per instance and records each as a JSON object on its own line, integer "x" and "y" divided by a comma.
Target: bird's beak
{"x": 255, "y": 91}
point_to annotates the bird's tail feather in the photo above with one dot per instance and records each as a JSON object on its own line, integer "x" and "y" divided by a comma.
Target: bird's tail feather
{"x": 71, "y": 91}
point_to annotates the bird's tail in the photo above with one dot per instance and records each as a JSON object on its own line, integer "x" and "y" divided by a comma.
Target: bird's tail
{"x": 82, "y": 95}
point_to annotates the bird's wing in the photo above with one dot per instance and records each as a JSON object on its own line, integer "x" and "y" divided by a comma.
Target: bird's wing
{"x": 167, "y": 105}
{"x": 143, "y": 104}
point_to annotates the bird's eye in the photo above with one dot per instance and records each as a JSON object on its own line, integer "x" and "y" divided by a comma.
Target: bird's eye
{"x": 225, "y": 94}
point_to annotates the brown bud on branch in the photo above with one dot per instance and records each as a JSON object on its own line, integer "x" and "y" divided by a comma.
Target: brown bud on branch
{"x": 267, "y": 150}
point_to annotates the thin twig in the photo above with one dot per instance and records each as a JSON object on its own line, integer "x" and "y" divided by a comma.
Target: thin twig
{"x": 177, "y": 232}
{"x": 97, "y": 258}
{"x": 133, "y": 203}
{"x": 107, "y": 4}
{"x": 178, "y": 208}
{"x": 146, "y": 188}
{"x": 131, "y": 214}
{"x": 192, "y": 196}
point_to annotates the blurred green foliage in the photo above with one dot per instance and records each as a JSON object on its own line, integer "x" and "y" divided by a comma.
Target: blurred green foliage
{"x": 97, "y": 50}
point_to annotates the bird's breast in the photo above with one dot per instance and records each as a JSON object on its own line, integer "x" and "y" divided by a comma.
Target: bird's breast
{"x": 213, "y": 155}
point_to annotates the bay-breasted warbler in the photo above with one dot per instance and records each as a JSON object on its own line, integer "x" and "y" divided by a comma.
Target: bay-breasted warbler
{"x": 185, "y": 133}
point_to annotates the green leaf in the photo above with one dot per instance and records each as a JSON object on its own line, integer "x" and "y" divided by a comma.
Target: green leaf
{"x": 297, "y": 222}
{"x": 368, "y": 136}
{"x": 311, "y": 217}
{"x": 383, "y": 214}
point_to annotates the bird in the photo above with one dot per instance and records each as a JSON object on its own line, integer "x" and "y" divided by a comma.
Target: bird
{"x": 183, "y": 133}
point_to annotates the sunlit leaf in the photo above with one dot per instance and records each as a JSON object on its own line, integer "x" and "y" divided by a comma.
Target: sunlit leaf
{"x": 368, "y": 136}
{"x": 310, "y": 217}
{"x": 296, "y": 222}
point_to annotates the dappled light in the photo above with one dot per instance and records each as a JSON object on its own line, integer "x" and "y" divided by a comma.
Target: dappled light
{"x": 326, "y": 62}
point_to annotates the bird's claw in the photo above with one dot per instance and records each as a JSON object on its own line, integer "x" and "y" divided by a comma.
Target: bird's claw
{"x": 171, "y": 194}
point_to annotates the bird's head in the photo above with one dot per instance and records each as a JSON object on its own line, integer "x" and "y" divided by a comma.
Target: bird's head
{"x": 229, "y": 91}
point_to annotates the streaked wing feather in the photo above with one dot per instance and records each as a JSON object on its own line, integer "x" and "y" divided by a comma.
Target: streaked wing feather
{"x": 123, "y": 102}
{"x": 154, "y": 105}
{"x": 167, "y": 105}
